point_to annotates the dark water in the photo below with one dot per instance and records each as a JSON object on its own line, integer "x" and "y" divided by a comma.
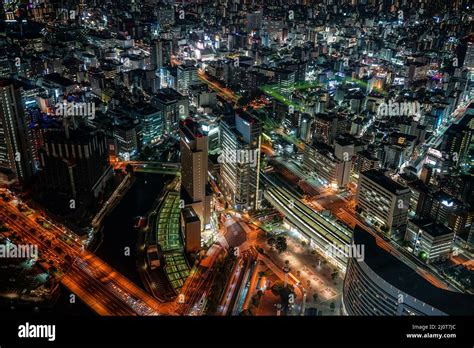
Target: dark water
{"x": 117, "y": 233}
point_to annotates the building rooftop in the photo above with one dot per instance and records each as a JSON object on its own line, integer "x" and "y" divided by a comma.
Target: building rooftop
{"x": 448, "y": 200}
{"x": 345, "y": 141}
{"x": 322, "y": 147}
{"x": 167, "y": 95}
{"x": 189, "y": 215}
{"x": 368, "y": 155}
{"x": 191, "y": 128}
{"x": 58, "y": 79}
{"x": 384, "y": 181}
{"x": 145, "y": 109}
{"x": 402, "y": 277}
{"x": 431, "y": 227}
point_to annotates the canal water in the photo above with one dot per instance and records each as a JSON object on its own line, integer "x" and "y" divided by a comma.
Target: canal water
{"x": 118, "y": 245}
{"x": 117, "y": 234}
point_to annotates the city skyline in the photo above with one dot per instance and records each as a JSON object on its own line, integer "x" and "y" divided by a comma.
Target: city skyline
{"x": 237, "y": 158}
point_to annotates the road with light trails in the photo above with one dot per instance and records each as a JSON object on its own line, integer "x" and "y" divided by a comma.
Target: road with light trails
{"x": 100, "y": 286}
{"x": 223, "y": 92}
{"x": 435, "y": 140}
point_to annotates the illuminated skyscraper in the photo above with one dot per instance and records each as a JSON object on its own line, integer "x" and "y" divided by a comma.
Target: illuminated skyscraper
{"x": 187, "y": 75}
{"x": 194, "y": 157}
{"x": 383, "y": 202}
{"x": 161, "y": 53}
{"x": 15, "y": 159}
{"x": 240, "y": 161}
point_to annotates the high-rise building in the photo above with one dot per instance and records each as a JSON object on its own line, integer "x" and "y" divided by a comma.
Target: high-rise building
{"x": 458, "y": 139}
{"x": 254, "y": 20}
{"x": 429, "y": 240}
{"x": 381, "y": 284}
{"x": 470, "y": 238}
{"x": 191, "y": 230}
{"x": 201, "y": 96}
{"x": 194, "y": 169}
{"x": 286, "y": 81}
{"x": 383, "y": 202}
{"x": 152, "y": 123}
{"x": 187, "y": 75}
{"x": 364, "y": 160}
{"x": 325, "y": 128}
{"x": 426, "y": 173}
{"x": 5, "y": 66}
{"x": 126, "y": 138}
{"x": 15, "y": 159}
{"x": 305, "y": 127}
{"x": 240, "y": 161}
{"x": 74, "y": 166}
{"x": 161, "y": 51}
{"x": 419, "y": 194}
{"x": 447, "y": 210}
{"x": 321, "y": 160}
{"x": 469, "y": 60}
{"x": 174, "y": 106}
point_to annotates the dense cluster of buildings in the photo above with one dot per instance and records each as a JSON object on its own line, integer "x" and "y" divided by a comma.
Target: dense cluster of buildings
{"x": 374, "y": 95}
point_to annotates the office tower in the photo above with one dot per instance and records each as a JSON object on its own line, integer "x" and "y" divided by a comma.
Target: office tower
{"x": 286, "y": 81}
{"x": 126, "y": 138}
{"x": 325, "y": 128}
{"x": 152, "y": 123}
{"x": 429, "y": 240}
{"x": 5, "y": 67}
{"x": 240, "y": 161}
{"x": 15, "y": 159}
{"x": 191, "y": 230}
{"x": 321, "y": 160}
{"x": 174, "y": 106}
{"x": 161, "y": 52}
{"x": 194, "y": 158}
{"x": 254, "y": 20}
{"x": 75, "y": 166}
{"x": 426, "y": 173}
{"x": 458, "y": 139}
{"x": 187, "y": 75}
{"x": 383, "y": 202}
{"x": 365, "y": 160}
{"x": 447, "y": 210}
{"x": 469, "y": 60}
{"x": 382, "y": 284}
{"x": 305, "y": 127}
